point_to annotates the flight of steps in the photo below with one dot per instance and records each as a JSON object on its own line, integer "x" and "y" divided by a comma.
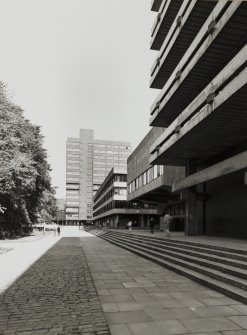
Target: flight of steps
{"x": 219, "y": 268}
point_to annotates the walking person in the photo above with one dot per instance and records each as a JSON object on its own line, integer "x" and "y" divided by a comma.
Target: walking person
{"x": 129, "y": 225}
{"x": 152, "y": 224}
{"x": 167, "y": 224}
{"x": 58, "y": 231}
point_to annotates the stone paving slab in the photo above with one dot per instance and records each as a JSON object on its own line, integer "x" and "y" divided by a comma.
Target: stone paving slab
{"x": 157, "y": 301}
{"x": 55, "y": 296}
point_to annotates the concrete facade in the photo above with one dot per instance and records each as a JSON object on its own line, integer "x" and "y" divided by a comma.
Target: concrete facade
{"x": 88, "y": 161}
{"x": 202, "y": 74}
{"x": 153, "y": 183}
{"x": 111, "y": 207}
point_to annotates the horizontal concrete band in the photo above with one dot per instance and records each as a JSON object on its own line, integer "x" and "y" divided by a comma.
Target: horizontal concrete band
{"x": 217, "y": 82}
{"x": 125, "y": 211}
{"x": 170, "y": 87}
{"x": 184, "y": 13}
{"x": 230, "y": 165}
{"x": 210, "y": 110}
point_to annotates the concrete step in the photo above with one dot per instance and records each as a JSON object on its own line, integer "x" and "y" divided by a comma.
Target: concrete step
{"x": 229, "y": 252}
{"x": 219, "y": 286}
{"x": 207, "y": 254}
{"x": 214, "y": 264}
{"x": 219, "y": 273}
{"x": 227, "y": 279}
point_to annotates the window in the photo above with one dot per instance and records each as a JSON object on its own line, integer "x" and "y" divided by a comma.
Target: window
{"x": 144, "y": 178}
{"x": 155, "y": 171}
{"x": 161, "y": 169}
{"x": 140, "y": 181}
{"x": 148, "y": 176}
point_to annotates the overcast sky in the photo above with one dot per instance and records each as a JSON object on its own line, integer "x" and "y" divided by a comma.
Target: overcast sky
{"x": 74, "y": 64}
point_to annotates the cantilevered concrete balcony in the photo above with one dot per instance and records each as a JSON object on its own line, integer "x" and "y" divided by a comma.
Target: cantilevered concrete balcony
{"x": 167, "y": 13}
{"x": 155, "y": 5}
{"x": 158, "y": 190}
{"x": 221, "y": 37}
{"x": 213, "y": 123}
{"x": 189, "y": 20}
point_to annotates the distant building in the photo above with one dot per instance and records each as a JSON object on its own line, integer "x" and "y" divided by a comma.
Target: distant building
{"x": 88, "y": 161}
{"x": 200, "y": 70}
{"x": 111, "y": 207}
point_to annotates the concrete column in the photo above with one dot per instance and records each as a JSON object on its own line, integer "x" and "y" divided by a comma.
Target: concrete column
{"x": 148, "y": 220}
{"x": 190, "y": 213}
{"x": 190, "y": 206}
{"x": 142, "y": 220}
{"x": 161, "y": 218}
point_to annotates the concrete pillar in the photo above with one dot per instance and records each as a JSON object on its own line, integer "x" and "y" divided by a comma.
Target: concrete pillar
{"x": 162, "y": 225}
{"x": 190, "y": 214}
{"x": 142, "y": 220}
{"x": 190, "y": 206}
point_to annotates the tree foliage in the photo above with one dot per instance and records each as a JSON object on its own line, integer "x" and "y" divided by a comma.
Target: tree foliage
{"x": 24, "y": 171}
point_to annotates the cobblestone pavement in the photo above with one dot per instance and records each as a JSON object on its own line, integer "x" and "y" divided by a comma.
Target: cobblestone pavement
{"x": 55, "y": 296}
{"x": 140, "y": 297}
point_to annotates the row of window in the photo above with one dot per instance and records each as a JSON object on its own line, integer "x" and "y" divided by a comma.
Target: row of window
{"x": 123, "y": 204}
{"x": 74, "y": 173}
{"x": 116, "y": 178}
{"x": 72, "y": 193}
{"x": 145, "y": 178}
{"x": 110, "y": 194}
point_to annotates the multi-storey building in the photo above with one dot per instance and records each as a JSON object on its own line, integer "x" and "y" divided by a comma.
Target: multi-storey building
{"x": 152, "y": 184}
{"x": 111, "y": 207}
{"x": 201, "y": 69}
{"x": 88, "y": 161}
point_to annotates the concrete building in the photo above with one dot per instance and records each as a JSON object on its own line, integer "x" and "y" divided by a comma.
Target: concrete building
{"x": 152, "y": 184}
{"x": 111, "y": 207}
{"x": 201, "y": 69}
{"x": 88, "y": 161}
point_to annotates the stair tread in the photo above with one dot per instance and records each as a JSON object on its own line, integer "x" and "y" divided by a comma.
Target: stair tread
{"x": 178, "y": 252}
{"x": 180, "y": 248}
{"x": 189, "y": 243}
{"x": 217, "y": 272}
{"x": 195, "y": 274}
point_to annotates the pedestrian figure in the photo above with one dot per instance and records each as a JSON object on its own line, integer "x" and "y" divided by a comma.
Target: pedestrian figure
{"x": 152, "y": 224}
{"x": 58, "y": 230}
{"x": 129, "y": 225}
{"x": 167, "y": 224}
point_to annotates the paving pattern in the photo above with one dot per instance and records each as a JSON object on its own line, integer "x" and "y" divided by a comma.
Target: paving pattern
{"x": 56, "y": 296}
{"x": 142, "y": 298}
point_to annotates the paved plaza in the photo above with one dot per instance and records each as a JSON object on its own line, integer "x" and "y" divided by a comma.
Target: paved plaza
{"x": 85, "y": 285}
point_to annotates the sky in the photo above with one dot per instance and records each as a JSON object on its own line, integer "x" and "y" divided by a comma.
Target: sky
{"x": 74, "y": 64}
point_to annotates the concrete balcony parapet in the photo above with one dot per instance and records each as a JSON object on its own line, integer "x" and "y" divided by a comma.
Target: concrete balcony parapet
{"x": 214, "y": 122}
{"x": 189, "y": 20}
{"x": 155, "y": 5}
{"x": 167, "y": 12}
{"x": 211, "y": 50}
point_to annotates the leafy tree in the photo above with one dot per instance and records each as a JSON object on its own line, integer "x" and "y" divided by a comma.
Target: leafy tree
{"x": 24, "y": 171}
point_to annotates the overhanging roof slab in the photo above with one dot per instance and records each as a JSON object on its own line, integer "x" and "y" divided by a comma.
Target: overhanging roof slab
{"x": 232, "y": 70}
{"x": 215, "y": 52}
{"x": 218, "y": 126}
{"x": 155, "y": 5}
{"x": 167, "y": 13}
{"x": 189, "y": 20}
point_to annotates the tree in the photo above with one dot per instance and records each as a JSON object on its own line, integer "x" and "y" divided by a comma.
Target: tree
{"x": 24, "y": 170}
